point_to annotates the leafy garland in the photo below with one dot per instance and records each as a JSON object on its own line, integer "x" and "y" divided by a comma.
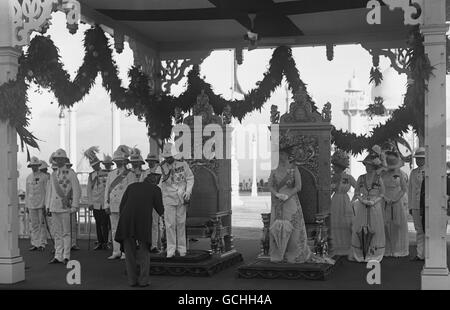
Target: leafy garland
{"x": 410, "y": 113}
{"x": 41, "y": 64}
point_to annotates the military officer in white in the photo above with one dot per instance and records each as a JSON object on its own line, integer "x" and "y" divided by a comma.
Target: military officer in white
{"x": 96, "y": 197}
{"x": 176, "y": 184}
{"x": 116, "y": 184}
{"x": 36, "y": 186}
{"x": 63, "y": 197}
{"x": 415, "y": 183}
{"x": 153, "y": 167}
{"x": 136, "y": 163}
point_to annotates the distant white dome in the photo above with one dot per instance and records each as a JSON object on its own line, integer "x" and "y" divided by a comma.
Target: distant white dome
{"x": 354, "y": 85}
{"x": 391, "y": 89}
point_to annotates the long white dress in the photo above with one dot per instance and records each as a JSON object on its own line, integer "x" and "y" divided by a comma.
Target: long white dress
{"x": 288, "y": 239}
{"x": 396, "y": 214}
{"x": 342, "y": 214}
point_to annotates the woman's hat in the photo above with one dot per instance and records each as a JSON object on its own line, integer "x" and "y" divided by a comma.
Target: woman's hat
{"x": 393, "y": 160}
{"x": 34, "y": 161}
{"x": 420, "y": 153}
{"x": 341, "y": 159}
{"x": 372, "y": 160}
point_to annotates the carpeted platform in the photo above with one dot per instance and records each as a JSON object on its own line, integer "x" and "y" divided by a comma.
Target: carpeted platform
{"x": 99, "y": 273}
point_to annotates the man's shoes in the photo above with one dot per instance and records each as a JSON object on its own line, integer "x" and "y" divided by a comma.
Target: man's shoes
{"x": 33, "y": 248}
{"x": 170, "y": 255}
{"x": 144, "y": 285}
{"x": 155, "y": 251}
{"x": 75, "y": 248}
{"x": 416, "y": 258}
{"x": 182, "y": 254}
{"x": 65, "y": 261}
{"x": 55, "y": 261}
{"x": 114, "y": 256}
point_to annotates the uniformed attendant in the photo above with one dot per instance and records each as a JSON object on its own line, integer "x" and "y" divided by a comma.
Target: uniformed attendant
{"x": 107, "y": 164}
{"x": 415, "y": 183}
{"x": 136, "y": 164}
{"x": 36, "y": 186}
{"x": 177, "y": 182}
{"x": 116, "y": 184}
{"x": 63, "y": 197}
{"x": 73, "y": 217}
{"x": 44, "y": 169}
{"x": 96, "y": 197}
{"x": 153, "y": 168}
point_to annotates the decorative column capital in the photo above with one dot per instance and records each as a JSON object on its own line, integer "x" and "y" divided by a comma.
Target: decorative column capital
{"x": 34, "y": 15}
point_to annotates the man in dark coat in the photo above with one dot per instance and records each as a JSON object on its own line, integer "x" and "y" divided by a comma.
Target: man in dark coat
{"x": 134, "y": 231}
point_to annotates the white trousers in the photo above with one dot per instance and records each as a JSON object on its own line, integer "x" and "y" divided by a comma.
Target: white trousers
{"x": 420, "y": 233}
{"x": 61, "y": 227}
{"x": 74, "y": 226}
{"x": 175, "y": 220}
{"x": 38, "y": 233}
{"x": 155, "y": 229}
{"x": 114, "y": 222}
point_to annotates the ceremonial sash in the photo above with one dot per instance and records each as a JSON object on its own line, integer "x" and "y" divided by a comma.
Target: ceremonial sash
{"x": 60, "y": 192}
{"x": 116, "y": 181}
{"x": 94, "y": 181}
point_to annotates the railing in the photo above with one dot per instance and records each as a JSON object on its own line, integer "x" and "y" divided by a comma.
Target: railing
{"x": 85, "y": 218}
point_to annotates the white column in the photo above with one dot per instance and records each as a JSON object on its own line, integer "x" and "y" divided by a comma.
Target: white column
{"x": 235, "y": 199}
{"x": 73, "y": 138}
{"x": 12, "y": 266}
{"x": 115, "y": 129}
{"x": 62, "y": 129}
{"x": 254, "y": 181}
{"x": 435, "y": 274}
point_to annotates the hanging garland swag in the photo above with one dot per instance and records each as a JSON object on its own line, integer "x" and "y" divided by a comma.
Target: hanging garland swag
{"x": 42, "y": 65}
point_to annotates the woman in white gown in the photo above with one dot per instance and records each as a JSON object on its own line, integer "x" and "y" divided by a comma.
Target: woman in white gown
{"x": 395, "y": 209}
{"x": 288, "y": 239}
{"x": 368, "y": 235}
{"x": 342, "y": 211}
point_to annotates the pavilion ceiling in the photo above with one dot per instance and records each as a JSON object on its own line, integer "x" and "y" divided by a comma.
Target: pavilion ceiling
{"x": 188, "y": 25}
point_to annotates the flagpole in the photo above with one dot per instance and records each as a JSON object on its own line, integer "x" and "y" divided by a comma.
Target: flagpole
{"x": 235, "y": 199}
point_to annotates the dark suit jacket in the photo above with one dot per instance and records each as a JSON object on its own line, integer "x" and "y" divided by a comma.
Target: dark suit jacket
{"x": 136, "y": 209}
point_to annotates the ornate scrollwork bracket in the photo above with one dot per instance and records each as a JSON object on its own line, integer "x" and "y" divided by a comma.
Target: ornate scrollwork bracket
{"x": 173, "y": 70}
{"x": 35, "y": 15}
{"x": 399, "y": 57}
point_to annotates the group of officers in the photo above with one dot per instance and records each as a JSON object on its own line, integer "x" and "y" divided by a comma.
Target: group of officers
{"x": 52, "y": 200}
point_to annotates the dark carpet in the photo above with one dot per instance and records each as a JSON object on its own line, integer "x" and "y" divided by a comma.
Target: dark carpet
{"x": 98, "y": 273}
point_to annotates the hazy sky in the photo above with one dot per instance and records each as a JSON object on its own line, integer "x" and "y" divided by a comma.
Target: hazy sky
{"x": 326, "y": 81}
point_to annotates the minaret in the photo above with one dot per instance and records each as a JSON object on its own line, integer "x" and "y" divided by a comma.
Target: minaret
{"x": 354, "y": 108}
{"x": 62, "y": 129}
{"x": 73, "y": 138}
{"x": 115, "y": 129}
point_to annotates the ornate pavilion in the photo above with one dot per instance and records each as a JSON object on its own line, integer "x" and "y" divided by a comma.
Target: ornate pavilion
{"x": 176, "y": 34}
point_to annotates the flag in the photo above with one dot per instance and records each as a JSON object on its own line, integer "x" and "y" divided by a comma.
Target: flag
{"x": 236, "y": 86}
